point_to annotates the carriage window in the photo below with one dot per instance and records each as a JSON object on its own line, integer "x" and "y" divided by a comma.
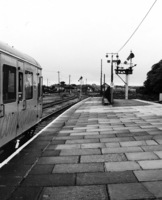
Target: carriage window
{"x": 9, "y": 84}
{"x": 20, "y": 86}
{"x": 28, "y": 85}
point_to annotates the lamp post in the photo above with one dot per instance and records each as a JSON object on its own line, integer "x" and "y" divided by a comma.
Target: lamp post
{"x": 112, "y": 73}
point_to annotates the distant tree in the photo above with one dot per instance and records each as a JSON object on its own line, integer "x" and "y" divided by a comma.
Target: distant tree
{"x": 153, "y": 83}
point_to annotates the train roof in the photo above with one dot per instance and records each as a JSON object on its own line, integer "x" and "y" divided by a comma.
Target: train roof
{"x": 5, "y": 48}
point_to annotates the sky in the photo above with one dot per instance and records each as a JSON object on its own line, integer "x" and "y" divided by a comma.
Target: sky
{"x": 73, "y": 36}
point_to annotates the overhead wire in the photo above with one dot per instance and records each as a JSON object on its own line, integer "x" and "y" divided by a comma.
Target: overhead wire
{"x": 137, "y": 26}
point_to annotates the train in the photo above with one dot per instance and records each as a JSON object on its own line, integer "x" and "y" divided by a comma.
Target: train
{"x": 21, "y": 95}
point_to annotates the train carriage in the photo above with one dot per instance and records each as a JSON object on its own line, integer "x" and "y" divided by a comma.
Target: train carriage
{"x": 20, "y": 93}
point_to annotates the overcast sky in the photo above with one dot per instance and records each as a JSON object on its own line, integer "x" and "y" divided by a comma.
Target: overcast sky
{"x": 72, "y": 36}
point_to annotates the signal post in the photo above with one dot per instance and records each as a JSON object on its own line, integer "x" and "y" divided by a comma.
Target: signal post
{"x": 128, "y": 71}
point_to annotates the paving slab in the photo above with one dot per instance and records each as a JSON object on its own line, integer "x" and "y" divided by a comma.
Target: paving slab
{"x": 150, "y": 164}
{"x": 149, "y": 175}
{"x": 73, "y": 152}
{"x": 152, "y": 148}
{"x": 51, "y": 153}
{"x": 82, "y": 141}
{"x": 41, "y": 169}
{"x": 92, "y": 145}
{"x": 64, "y": 146}
{"x": 158, "y": 153}
{"x": 100, "y": 178}
{"x": 121, "y": 150}
{"x": 78, "y": 168}
{"x": 141, "y": 156}
{"x": 77, "y": 137}
{"x": 138, "y": 143}
{"x": 56, "y": 160}
{"x": 129, "y": 191}
{"x": 56, "y": 142}
{"x": 85, "y": 133}
{"x": 112, "y": 144}
{"x": 75, "y": 193}
{"x": 45, "y": 180}
{"x": 102, "y": 135}
{"x": 103, "y": 158}
{"x": 154, "y": 188}
{"x": 26, "y": 193}
{"x": 122, "y": 166}
{"x": 116, "y": 139}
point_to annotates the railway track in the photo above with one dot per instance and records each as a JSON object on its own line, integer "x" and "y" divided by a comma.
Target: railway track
{"x": 59, "y": 101}
{"x": 51, "y": 110}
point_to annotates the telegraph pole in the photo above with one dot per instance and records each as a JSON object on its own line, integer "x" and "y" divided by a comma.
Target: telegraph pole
{"x": 58, "y": 77}
{"x": 86, "y": 86}
{"x": 104, "y": 83}
{"x": 69, "y": 79}
{"x": 69, "y": 83}
{"x": 59, "y": 80}
{"x": 101, "y": 79}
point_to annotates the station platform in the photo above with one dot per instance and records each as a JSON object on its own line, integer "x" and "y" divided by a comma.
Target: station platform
{"x": 91, "y": 152}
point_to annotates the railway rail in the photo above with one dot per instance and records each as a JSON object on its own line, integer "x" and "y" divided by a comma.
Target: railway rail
{"x": 51, "y": 110}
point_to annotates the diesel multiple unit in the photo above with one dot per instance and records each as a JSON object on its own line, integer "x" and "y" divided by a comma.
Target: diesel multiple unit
{"x": 20, "y": 93}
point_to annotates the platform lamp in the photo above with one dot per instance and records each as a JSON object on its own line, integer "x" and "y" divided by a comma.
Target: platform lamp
{"x": 112, "y": 74}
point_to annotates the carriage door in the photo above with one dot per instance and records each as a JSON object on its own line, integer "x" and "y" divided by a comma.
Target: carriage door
{"x": 21, "y": 98}
{"x": 40, "y": 95}
{"x": 8, "y": 114}
{"x": 31, "y": 94}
